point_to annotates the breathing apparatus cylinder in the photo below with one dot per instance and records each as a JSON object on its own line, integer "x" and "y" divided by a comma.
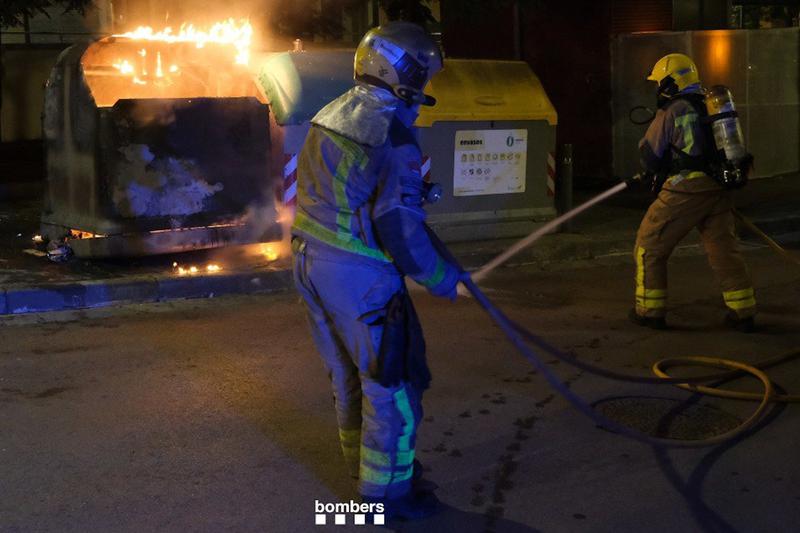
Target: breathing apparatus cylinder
{"x": 733, "y": 163}
{"x": 725, "y": 124}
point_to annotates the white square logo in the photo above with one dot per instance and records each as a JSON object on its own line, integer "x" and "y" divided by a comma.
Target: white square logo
{"x": 320, "y": 519}
{"x": 360, "y": 519}
{"x": 378, "y": 519}
{"x": 340, "y": 520}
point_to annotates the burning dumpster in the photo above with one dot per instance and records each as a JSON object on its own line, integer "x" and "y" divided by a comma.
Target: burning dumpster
{"x": 157, "y": 142}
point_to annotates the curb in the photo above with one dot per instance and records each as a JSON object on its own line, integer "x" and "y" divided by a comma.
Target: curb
{"x": 89, "y": 294}
{"x": 554, "y": 248}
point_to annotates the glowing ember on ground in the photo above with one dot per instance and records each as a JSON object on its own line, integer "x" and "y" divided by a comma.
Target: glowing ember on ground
{"x": 192, "y": 269}
{"x": 80, "y": 234}
{"x": 270, "y": 251}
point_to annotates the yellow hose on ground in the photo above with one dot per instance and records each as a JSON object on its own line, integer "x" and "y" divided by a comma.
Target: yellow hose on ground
{"x": 764, "y": 398}
{"x": 659, "y": 367}
{"x": 766, "y": 238}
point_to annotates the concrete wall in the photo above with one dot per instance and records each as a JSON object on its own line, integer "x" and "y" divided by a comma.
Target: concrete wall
{"x": 760, "y": 66}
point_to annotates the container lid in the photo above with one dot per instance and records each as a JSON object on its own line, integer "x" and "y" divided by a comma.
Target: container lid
{"x": 475, "y": 89}
{"x": 299, "y": 84}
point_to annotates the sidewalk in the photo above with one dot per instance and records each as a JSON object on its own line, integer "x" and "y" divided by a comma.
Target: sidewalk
{"x": 31, "y": 283}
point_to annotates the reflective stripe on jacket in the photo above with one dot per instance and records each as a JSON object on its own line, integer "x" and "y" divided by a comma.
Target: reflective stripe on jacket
{"x": 368, "y": 201}
{"x": 676, "y": 127}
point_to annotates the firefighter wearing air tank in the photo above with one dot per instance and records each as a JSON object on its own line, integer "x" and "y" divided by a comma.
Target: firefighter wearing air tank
{"x": 358, "y": 231}
{"x": 693, "y": 152}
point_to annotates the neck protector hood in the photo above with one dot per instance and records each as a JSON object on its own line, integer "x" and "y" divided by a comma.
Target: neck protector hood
{"x": 362, "y": 114}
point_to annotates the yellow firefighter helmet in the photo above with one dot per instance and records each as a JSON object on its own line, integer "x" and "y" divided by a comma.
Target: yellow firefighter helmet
{"x": 677, "y": 69}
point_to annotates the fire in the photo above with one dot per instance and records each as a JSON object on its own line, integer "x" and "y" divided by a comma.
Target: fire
{"x": 80, "y": 234}
{"x": 124, "y": 66}
{"x": 228, "y": 32}
{"x": 150, "y": 66}
{"x": 269, "y": 251}
{"x": 192, "y": 270}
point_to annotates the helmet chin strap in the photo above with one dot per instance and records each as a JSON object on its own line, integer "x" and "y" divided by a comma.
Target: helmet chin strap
{"x": 407, "y": 113}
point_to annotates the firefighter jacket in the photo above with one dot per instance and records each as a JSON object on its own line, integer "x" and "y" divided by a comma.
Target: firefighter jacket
{"x": 676, "y": 133}
{"x": 360, "y": 189}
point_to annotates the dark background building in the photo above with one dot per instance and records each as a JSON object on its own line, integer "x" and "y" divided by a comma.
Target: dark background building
{"x": 568, "y": 45}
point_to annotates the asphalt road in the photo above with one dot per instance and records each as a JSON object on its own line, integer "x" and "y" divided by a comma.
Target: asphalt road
{"x": 216, "y": 415}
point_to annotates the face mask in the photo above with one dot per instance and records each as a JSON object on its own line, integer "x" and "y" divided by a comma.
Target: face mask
{"x": 665, "y": 91}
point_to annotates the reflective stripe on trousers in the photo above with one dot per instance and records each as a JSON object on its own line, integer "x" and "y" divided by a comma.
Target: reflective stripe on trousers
{"x": 739, "y": 300}
{"x": 668, "y": 220}
{"x": 377, "y": 425}
{"x": 646, "y": 299}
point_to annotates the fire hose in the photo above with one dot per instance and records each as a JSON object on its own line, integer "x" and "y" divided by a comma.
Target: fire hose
{"x": 522, "y": 339}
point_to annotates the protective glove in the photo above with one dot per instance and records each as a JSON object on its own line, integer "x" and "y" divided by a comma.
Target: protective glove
{"x": 461, "y": 287}
{"x": 447, "y": 288}
{"x": 639, "y": 180}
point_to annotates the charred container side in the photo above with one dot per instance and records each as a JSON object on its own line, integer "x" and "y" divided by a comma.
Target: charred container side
{"x": 155, "y": 148}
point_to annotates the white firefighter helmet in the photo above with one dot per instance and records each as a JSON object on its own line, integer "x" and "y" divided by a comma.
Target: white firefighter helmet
{"x": 400, "y": 57}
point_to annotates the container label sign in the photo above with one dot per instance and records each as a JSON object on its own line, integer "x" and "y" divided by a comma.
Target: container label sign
{"x": 489, "y": 162}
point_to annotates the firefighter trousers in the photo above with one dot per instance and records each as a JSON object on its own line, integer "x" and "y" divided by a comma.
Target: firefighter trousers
{"x": 668, "y": 220}
{"x": 344, "y": 296}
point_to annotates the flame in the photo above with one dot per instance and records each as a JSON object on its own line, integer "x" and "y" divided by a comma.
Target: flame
{"x": 192, "y": 270}
{"x": 80, "y": 234}
{"x": 269, "y": 251}
{"x": 37, "y": 239}
{"x": 124, "y": 66}
{"x": 230, "y": 32}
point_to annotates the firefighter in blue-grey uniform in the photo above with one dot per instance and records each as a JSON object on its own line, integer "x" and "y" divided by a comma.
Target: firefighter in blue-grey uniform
{"x": 359, "y": 229}
{"x": 677, "y": 152}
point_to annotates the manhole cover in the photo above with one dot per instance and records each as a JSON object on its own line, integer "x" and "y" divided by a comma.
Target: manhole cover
{"x": 668, "y": 418}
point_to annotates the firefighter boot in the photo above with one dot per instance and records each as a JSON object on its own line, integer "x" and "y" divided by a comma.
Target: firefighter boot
{"x": 744, "y": 325}
{"x": 419, "y": 484}
{"x": 658, "y": 322}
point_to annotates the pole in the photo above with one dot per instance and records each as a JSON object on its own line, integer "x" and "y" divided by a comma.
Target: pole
{"x": 1, "y": 83}
{"x": 565, "y": 182}
{"x": 375, "y": 13}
